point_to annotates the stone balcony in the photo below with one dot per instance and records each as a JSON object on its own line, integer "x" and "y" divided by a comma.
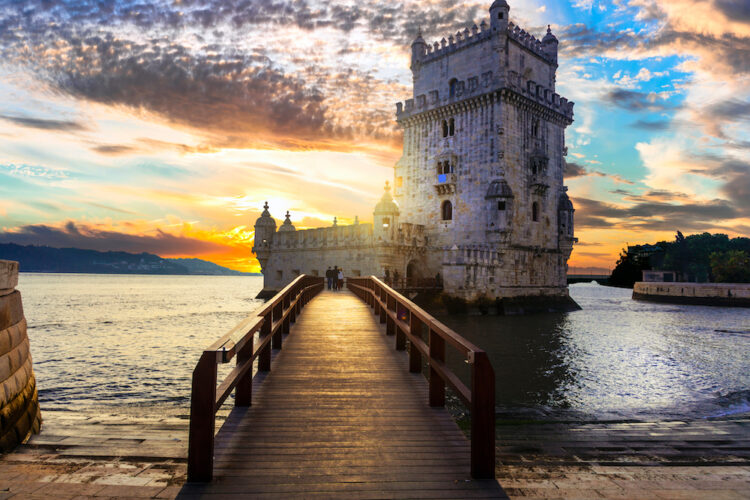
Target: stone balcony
{"x": 446, "y": 183}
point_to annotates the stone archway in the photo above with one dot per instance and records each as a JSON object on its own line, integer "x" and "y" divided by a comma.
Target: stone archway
{"x": 414, "y": 273}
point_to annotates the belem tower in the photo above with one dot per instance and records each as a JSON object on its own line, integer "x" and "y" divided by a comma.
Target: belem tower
{"x": 478, "y": 194}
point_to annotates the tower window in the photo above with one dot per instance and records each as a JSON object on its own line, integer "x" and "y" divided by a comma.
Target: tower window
{"x": 535, "y": 128}
{"x": 452, "y": 89}
{"x": 447, "y": 210}
{"x": 386, "y": 221}
{"x": 535, "y": 211}
{"x": 499, "y": 15}
{"x": 452, "y": 127}
{"x": 445, "y": 128}
{"x": 501, "y": 205}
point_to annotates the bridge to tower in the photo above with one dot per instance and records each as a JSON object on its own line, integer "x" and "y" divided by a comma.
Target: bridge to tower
{"x": 346, "y": 411}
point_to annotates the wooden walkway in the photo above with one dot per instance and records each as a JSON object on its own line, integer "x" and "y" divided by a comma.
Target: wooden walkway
{"x": 340, "y": 416}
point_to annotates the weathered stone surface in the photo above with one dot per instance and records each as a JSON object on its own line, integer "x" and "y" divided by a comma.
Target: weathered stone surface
{"x": 479, "y": 195}
{"x": 8, "y": 274}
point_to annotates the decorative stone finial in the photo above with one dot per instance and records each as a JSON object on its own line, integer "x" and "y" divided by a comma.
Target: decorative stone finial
{"x": 265, "y": 206}
{"x": 387, "y": 186}
{"x": 287, "y": 215}
{"x": 356, "y": 220}
{"x": 335, "y": 222}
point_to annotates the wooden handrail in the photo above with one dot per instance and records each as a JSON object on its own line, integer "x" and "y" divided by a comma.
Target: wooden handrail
{"x": 271, "y": 320}
{"x": 406, "y": 320}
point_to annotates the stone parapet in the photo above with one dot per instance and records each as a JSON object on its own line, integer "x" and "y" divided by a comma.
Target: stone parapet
{"x": 711, "y": 294}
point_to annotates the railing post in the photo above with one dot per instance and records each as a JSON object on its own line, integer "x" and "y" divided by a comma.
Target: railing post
{"x": 482, "y": 418}
{"x": 264, "y": 358}
{"x": 383, "y": 310}
{"x": 278, "y": 311}
{"x": 375, "y": 303}
{"x": 390, "y": 324}
{"x": 243, "y": 395}
{"x": 284, "y": 306}
{"x": 400, "y": 336}
{"x": 415, "y": 357}
{"x": 202, "y": 414}
{"x": 437, "y": 384}
{"x": 293, "y": 311}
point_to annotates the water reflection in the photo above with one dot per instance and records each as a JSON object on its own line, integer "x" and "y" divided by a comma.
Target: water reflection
{"x": 616, "y": 359}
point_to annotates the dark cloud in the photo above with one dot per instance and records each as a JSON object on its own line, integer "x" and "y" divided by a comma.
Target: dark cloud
{"x": 573, "y": 169}
{"x": 113, "y": 149}
{"x": 632, "y": 100}
{"x": 654, "y": 215}
{"x": 737, "y": 10}
{"x": 77, "y": 235}
{"x": 733, "y": 109}
{"x": 45, "y": 124}
{"x": 652, "y": 125}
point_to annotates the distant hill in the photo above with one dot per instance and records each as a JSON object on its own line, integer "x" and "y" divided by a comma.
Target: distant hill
{"x": 42, "y": 259}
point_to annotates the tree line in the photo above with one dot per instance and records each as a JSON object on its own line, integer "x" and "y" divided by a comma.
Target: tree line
{"x": 702, "y": 258}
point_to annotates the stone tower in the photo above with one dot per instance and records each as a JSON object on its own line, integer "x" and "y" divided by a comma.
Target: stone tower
{"x": 482, "y": 165}
{"x": 265, "y": 229}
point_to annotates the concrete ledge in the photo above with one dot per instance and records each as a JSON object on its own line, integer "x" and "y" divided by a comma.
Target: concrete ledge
{"x": 707, "y": 294}
{"x": 8, "y": 274}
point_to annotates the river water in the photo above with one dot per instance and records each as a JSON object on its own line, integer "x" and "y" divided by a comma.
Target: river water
{"x": 127, "y": 344}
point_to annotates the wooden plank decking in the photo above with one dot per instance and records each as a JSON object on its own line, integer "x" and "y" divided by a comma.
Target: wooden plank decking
{"x": 340, "y": 416}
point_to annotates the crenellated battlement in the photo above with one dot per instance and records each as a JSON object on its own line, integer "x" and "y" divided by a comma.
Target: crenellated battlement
{"x": 530, "y": 42}
{"x": 481, "y": 84}
{"x": 461, "y": 40}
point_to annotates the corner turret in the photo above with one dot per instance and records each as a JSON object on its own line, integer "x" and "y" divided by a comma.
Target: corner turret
{"x": 499, "y": 12}
{"x": 287, "y": 225}
{"x": 386, "y": 216}
{"x": 265, "y": 228}
{"x": 549, "y": 44}
{"x": 418, "y": 49}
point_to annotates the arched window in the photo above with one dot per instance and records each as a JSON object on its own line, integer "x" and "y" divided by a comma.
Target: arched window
{"x": 500, "y": 15}
{"x": 535, "y": 128}
{"x": 535, "y": 211}
{"x": 445, "y": 128}
{"x": 452, "y": 88}
{"x": 447, "y": 210}
{"x": 452, "y": 127}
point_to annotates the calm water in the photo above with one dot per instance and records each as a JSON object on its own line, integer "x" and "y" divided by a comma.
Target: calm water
{"x": 128, "y": 344}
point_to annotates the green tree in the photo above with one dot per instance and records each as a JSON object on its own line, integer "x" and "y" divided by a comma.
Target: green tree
{"x": 730, "y": 267}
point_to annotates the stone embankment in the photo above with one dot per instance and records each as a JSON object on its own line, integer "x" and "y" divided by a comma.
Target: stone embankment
{"x": 708, "y": 294}
{"x": 19, "y": 406}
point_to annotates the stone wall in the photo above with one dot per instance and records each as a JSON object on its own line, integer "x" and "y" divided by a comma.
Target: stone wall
{"x": 712, "y": 294}
{"x": 19, "y": 406}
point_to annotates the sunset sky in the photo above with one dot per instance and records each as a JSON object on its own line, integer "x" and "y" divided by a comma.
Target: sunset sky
{"x": 163, "y": 126}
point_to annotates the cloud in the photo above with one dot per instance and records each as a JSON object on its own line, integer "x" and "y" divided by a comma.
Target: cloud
{"x": 45, "y": 124}
{"x": 652, "y": 125}
{"x": 113, "y": 149}
{"x": 636, "y": 101}
{"x": 573, "y": 169}
{"x": 90, "y": 237}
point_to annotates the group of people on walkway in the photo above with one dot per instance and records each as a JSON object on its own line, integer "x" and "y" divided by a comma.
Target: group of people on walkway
{"x": 335, "y": 278}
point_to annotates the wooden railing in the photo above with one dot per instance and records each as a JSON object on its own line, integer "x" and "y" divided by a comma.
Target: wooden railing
{"x": 272, "y": 320}
{"x": 406, "y": 320}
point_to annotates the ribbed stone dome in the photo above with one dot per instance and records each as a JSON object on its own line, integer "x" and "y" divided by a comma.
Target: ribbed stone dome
{"x": 499, "y": 189}
{"x": 386, "y": 205}
{"x": 287, "y": 225}
{"x": 549, "y": 37}
{"x": 565, "y": 203}
{"x": 265, "y": 218}
{"x": 499, "y": 3}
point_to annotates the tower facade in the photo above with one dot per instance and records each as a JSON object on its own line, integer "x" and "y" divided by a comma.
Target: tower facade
{"x": 479, "y": 203}
{"x": 483, "y": 158}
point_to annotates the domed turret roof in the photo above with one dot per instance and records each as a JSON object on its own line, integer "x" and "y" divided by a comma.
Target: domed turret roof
{"x": 549, "y": 37}
{"x": 419, "y": 39}
{"x": 265, "y": 218}
{"x": 287, "y": 225}
{"x": 564, "y": 203}
{"x": 386, "y": 205}
{"x": 499, "y": 189}
{"x": 499, "y": 3}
